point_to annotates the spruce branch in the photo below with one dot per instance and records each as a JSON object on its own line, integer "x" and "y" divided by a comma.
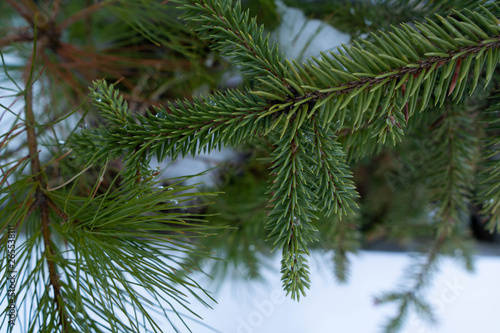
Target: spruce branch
{"x": 375, "y": 86}
{"x": 411, "y": 297}
{"x": 345, "y": 240}
{"x": 452, "y": 172}
{"x": 343, "y": 237}
{"x": 180, "y": 129}
{"x": 390, "y": 62}
{"x": 334, "y": 175}
{"x": 361, "y": 17}
{"x": 291, "y": 211}
{"x": 450, "y": 175}
{"x": 488, "y": 185}
{"x": 235, "y": 35}
{"x": 420, "y": 274}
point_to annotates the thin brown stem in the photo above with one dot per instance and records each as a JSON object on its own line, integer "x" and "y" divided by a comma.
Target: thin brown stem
{"x": 30, "y": 130}
{"x": 41, "y": 202}
{"x": 21, "y": 35}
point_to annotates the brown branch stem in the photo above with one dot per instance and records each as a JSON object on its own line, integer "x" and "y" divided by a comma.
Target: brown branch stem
{"x": 41, "y": 202}
{"x": 21, "y": 35}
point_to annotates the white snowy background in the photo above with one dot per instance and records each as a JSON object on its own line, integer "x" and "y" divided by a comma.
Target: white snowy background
{"x": 463, "y": 302}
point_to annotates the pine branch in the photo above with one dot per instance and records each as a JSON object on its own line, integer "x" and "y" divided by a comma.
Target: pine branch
{"x": 114, "y": 244}
{"x": 41, "y": 203}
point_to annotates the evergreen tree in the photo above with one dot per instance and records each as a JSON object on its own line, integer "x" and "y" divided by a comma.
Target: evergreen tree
{"x": 415, "y": 102}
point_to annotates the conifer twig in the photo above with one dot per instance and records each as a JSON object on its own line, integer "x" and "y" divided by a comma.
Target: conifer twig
{"x": 414, "y": 69}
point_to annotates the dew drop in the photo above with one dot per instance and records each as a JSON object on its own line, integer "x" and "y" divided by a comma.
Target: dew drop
{"x": 488, "y": 202}
{"x": 296, "y": 221}
{"x": 160, "y": 187}
{"x": 173, "y": 201}
{"x": 337, "y": 125}
{"x": 61, "y": 142}
{"x": 170, "y": 189}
